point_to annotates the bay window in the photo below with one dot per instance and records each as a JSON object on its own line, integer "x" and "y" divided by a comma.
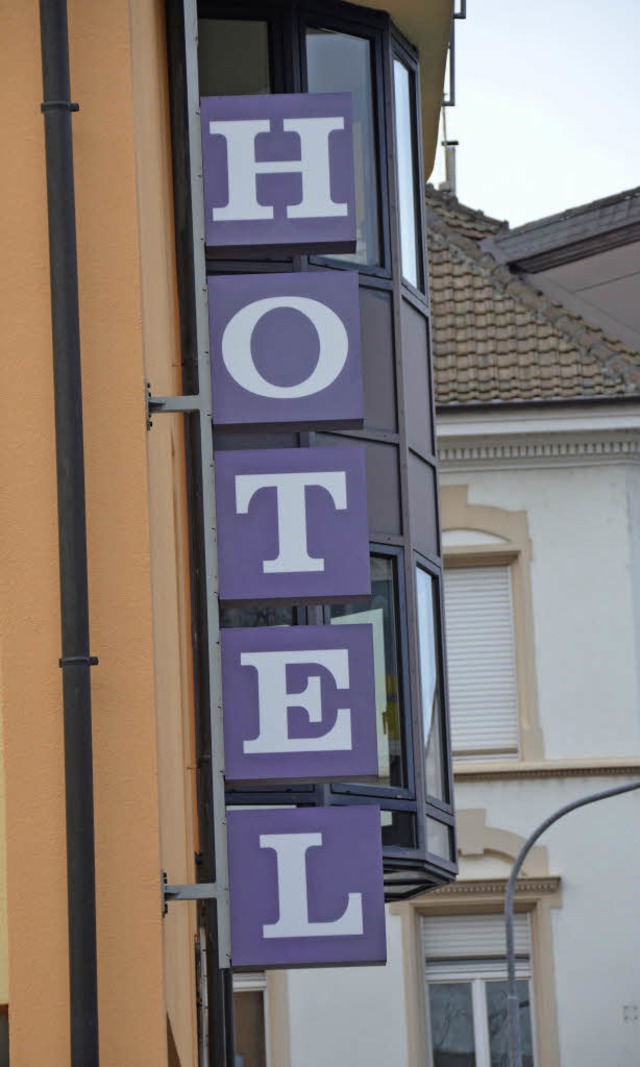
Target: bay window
{"x": 282, "y": 46}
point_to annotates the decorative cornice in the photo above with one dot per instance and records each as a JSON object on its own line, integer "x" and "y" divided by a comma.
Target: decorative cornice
{"x": 510, "y": 770}
{"x": 495, "y": 887}
{"x": 543, "y": 451}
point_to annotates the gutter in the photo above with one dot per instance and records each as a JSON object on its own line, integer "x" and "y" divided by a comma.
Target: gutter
{"x": 76, "y": 661}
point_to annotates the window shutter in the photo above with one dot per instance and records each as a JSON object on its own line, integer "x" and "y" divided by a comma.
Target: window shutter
{"x": 458, "y": 937}
{"x": 483, "y": 696}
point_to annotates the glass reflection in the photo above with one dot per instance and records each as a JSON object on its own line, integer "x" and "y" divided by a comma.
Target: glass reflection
{"x": 406, "y": 169}
{"x": 451, "y": 1017}
{"x": 233, "y": 57}
{"x": 498, "y": 1022}
{"x": 336, "y": 63}
{"x": 265, "y": 615}
{"x": 439, "y": 838}
{"x": 398, "y": 829}
{"x": 431, "y": 711}
{"x": 381, "y": 612}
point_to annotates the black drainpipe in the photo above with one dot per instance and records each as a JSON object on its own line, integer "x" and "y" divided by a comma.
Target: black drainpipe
{"x": 76, "y": 661}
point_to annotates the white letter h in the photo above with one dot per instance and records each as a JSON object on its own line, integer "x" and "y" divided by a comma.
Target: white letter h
{"x": 242, "y": 169}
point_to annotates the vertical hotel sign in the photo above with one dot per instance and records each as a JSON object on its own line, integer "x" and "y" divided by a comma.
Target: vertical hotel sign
{"x": 306, "y": 884}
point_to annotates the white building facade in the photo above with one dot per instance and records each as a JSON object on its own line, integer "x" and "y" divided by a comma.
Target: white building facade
{"x": 539, "y": 442}
{"x": 551, "y": 504}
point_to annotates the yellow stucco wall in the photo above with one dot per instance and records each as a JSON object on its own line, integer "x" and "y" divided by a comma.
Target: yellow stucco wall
{"x": 29, "y": 593}
{"x": 167, "y": 516}
{"x": 142, "y": 701}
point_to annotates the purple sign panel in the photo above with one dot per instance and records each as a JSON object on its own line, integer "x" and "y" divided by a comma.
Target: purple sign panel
{"x": 292, "y": 524}
{"x": 299, "y": 702}
{"x": 278, "y": 171}
{"x": 306, "y": 887}
{"x": 285, "y": 349}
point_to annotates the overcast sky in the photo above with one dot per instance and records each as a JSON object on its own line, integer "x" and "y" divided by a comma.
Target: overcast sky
{"x": 548, "y": 102}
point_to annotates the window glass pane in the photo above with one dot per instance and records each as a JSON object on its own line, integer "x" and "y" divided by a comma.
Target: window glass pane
{"x": 341, "y": 63}
{"x": 498, "y": 1023}
{"x": 431, "y": 710}
{"x": 381, "y": 612}
{"x": 248, "y": 1009}
{"x": 406, "y": 169}
{"x": 233, "y": 57}
{"x": 451, "y": 1017}
{"x": 267, "y": 615}
{"x": 398, "y": 829}
{"x": 439, "y": 839}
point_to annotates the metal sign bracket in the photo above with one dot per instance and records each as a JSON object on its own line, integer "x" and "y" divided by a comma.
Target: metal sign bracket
{"x": 185, "y": 405}
{"x": 196, "y": 891}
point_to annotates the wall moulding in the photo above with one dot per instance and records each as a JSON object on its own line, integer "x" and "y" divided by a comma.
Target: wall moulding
{"x": 516, "y": 769}
{"x": 481, "y": 453}
{"x": 481, "y": 888}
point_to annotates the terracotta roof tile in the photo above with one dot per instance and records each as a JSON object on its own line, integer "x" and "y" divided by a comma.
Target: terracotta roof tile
{"x": 470, "y": 222}
{"x": 496, "y": 338}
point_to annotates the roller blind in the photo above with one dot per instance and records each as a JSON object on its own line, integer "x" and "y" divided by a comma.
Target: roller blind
{"x": 483, "y": 696}
{"x": 457, "y": 937}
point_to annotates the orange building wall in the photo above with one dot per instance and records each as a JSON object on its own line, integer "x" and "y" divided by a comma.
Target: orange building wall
{"x": 29, "y": 595}
{"x": 136, "y": 538}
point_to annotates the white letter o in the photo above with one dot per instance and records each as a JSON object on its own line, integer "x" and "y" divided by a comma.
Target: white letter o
{"x": 236, "y": 347}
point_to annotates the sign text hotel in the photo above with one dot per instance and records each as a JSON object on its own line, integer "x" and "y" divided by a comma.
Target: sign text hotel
{"x": 306, "y": 884}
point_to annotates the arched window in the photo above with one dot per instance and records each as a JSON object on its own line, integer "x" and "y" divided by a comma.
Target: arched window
{"x": 490, "y": 660}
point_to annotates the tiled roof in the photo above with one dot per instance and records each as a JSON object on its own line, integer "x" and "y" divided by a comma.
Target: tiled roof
{"x": 496, "y": 338}
{"x": 464, "y": 220}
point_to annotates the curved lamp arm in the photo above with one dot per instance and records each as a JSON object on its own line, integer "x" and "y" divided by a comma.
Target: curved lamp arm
{"x": 515, "y": 1036}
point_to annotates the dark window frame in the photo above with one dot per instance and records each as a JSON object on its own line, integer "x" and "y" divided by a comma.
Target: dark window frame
{"x": 404, "y": 797}
{"x": 334, "y": 19}
{"x": 401, "y": 50}
{"x": 403, "y": 794}
{"x": 434, "y": 571}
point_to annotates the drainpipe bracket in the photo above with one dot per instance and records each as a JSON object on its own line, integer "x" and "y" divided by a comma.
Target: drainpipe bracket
{"x": 58, "y": 105}
{"x": 78, "y": 661}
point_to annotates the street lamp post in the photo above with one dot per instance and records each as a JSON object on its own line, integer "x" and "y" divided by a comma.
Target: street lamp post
{"x": 515, "y": 1036}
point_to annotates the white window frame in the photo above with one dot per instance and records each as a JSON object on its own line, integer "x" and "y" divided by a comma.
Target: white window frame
{"x": 477, "y": 534}
{"x": 256, "y": 982}
{"x": 477, "y": 971}
{"x": 478, "y": 981}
